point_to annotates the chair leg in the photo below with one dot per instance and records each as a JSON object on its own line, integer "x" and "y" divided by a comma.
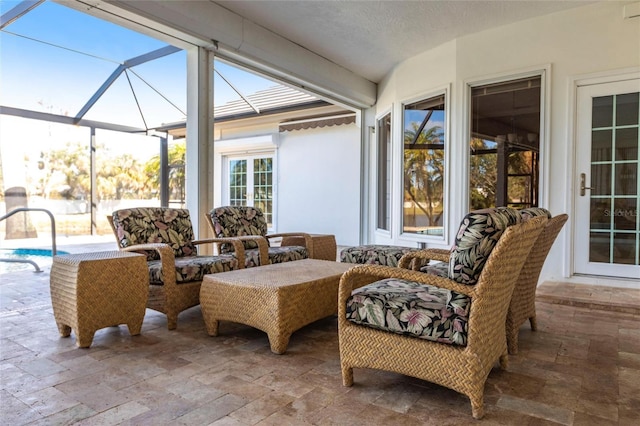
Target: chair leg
{"x": 172, "y": 321}
{"x": 65, "y": 330}
{"x": 512, "y": 341}
{"x": 477, "y": 409}
{"x": 534, "y": 323}
{"x": 347, "y": 375}
{"x": 134, "y": 327}
{"x": 504, "y": 361}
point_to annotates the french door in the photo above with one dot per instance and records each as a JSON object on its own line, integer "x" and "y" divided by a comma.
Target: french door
{"x": 250, "y": 183}
{"x": 607, "y": 227}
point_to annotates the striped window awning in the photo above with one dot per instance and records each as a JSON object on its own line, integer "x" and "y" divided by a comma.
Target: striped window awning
{"x": 313, "y": 123}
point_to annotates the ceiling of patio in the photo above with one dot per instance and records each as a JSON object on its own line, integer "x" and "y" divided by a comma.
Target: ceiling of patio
{"x": 370, "y": 37}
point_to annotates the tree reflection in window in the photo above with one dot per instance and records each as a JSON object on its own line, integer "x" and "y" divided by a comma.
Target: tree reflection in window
{"x": 424, "y": 166}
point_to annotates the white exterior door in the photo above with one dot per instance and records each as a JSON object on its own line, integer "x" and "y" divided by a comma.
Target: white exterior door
{"x": 250, "y": 183}
{"x": 607, "y": 226}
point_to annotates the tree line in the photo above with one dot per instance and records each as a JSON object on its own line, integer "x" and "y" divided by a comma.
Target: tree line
{"x": 65, "y": 174}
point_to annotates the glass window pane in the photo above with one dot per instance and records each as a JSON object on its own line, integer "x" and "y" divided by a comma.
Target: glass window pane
{"x": 424, "y": 166}
{"x": 626, "y": 179}
{"x": 602, "y": 112}
{"x": 504, "y": 145}
{"x": 625, "y": 214}
{"x": 483, "y": 175}
{"x": 624, "y": 249}
{"x": 627, "y": 144}
{"x": 600, "y": 213}
{"x": 519, "y": 190}
{"x": 238, "y": 182}
{"x": 383, "y": 134}
{"x": 627, "y": 107}
{"x": 177, "y": 160}
{"x": 599, "y": 247}
{"x": 520, "y": 162}
{"x": 601, "y": 179}
{"x": 601, "y": 142}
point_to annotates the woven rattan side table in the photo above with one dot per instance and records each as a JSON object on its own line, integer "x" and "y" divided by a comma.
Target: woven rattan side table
{"x": 324, "y": 245}
{"x": 277, "y": 299}
{"x": 90, "y": 291}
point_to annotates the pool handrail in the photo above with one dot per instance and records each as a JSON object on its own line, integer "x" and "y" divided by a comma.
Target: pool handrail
{"x": 54, "y": 251}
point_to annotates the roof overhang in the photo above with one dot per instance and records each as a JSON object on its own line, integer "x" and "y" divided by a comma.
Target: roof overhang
{"x": 318, "y": 122}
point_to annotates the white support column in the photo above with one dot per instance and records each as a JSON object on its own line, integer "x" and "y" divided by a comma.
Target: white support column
{"x": 199, "y": 158}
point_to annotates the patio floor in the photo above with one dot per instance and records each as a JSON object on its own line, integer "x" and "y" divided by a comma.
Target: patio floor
{"x": 582, "y": 367}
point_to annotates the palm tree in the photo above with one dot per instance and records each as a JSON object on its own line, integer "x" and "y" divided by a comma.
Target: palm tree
{"x": 120, "y": 177}
{"x": 424, "y": 170}
{"x": 483, "y": 175}
{"x": 177, "y": 154}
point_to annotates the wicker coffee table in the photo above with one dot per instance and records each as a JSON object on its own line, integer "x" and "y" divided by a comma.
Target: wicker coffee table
{"x": 90, "y": 291}
{"x": 277, "y": 299}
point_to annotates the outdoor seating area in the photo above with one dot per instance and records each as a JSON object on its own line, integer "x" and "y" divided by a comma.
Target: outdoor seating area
{"x": 232, "y": 213}
{"x": 175, "y": 270}
{"x": 439, "y": 329}
{"x": 578, "y": 368}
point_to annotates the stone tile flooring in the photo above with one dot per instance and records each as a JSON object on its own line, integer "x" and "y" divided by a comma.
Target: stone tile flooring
{"x": 582, "y": 367}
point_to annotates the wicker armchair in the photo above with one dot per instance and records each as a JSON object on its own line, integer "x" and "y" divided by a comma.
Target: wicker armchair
{"x": 176, "y": 271}
{"x": 464, "y": 332}
{"x": 250, "y": 224}
{"x": 523, "y": 301}
{"x": 522, "y": 306}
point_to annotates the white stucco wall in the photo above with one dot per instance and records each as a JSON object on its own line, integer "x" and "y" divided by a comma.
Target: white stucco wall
{"x": 589, "y": 41}
{"x": 319, "y": 182}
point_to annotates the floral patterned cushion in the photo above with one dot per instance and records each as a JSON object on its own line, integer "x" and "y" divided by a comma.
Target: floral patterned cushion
{"x": 236, "y": 221}
{"x": 477, "y": 236}
{"x": 532, "y": 212}
{"x": 374, "y": 254}
{"x": 193, "y": 268}
{"x": 156, "y": 225}
{"x": 276, "y": 255}
{"x": 440, "y": 269}
{"x": 413, "y": 309}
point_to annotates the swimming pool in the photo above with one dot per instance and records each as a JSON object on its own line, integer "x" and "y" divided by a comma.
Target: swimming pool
{"x": 19, "y": 259}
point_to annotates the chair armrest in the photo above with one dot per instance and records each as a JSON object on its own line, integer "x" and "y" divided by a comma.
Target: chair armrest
{"x": 263, "y": 247}
{"x": 167, "y": 258}
{"x": 308, "y": 242}
{"x": 164, "y": 250}
{"x": 410, "y": 260}
{"x": 238, "y": 247}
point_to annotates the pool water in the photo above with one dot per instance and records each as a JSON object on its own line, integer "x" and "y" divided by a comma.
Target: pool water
{"x": 41, "y": 257}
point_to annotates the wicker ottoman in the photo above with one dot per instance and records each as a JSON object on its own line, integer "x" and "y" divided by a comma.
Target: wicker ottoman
{"x": 375, "y": 254}
{"x": 90, "y": 291}
{"x": 324, "y": 246}
{"x": 277, "y": 299}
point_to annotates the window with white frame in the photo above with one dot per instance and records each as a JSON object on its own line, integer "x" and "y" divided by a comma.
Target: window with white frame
{"x": 505, "y": 143}
{"x": 424, "y": 166}
{"x": 383, "y": 140}
{"x": 245, "y": 174}
{"x": 250, "y": 183}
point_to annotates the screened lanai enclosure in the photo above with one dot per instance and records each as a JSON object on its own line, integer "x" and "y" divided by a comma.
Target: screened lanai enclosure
{"x": 86, "y": 110}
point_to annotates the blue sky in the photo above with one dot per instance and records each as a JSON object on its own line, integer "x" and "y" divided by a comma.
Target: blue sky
{"x": 54, "y": 58}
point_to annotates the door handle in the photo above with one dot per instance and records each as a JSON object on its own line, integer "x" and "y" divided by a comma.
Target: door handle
{"x": 583, "y": 179}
